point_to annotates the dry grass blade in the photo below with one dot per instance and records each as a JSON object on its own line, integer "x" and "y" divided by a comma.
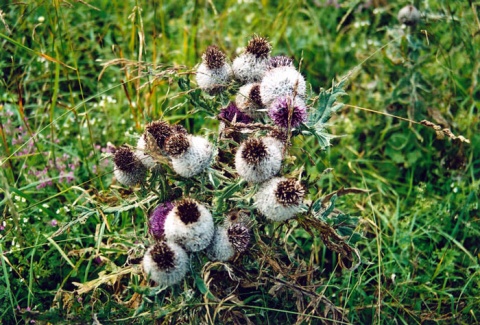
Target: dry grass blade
{"x": 442, "y": 133}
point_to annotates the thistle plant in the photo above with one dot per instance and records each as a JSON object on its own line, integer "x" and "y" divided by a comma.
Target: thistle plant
{"x": 215, "y": 191}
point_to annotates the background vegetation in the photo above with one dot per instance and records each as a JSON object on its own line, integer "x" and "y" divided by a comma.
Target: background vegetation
{"x": 77, "y": 75}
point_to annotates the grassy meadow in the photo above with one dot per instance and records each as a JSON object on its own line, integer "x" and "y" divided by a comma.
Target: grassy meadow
{"x": 80, "y": 77}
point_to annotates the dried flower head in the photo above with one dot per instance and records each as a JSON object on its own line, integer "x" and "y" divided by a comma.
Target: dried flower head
{"x": 160, "y": 131}
{"x": 195, "y": 159}
{"x": 282, "y": 82}
{"x": 286, "y": 112}
{"x": 166, "y": 263}
{"x": 254, "y": 151}
{"x": 289, "y": 192}
{"x": 279, "y": 198}
{"x": 259, "y": 47}
{"x": 213, "y": 74}
{"x": 231, "y": 113}
{"x": 190, "y": 225}
{"x": 177, "y": 144}
{"x": 125, "y": 159}
{"x": 250, "y": 66}
{"x": 257, "y": 160}
{"x": 280, "y": 61}
{"x": 213, "y": 57}
{"x": 409, "y": 15}
{"x": 188, "y": 211}
{"x": 157, "y": 219}
{"x": 228, "y": 240}
{"x": 163, "y": 256}
{"x": 128, "y": 170}
{"x": 239, "y": 237}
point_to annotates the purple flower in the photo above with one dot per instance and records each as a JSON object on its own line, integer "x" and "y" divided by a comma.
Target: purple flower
{"x": 54, "y": 223}
{"x": 285, "y": 110}
{"x": 231, "y": 110}
{"x": 157, "y": 219}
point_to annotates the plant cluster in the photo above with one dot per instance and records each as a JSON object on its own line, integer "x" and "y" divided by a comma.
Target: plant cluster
{"x": 214, "y": 194}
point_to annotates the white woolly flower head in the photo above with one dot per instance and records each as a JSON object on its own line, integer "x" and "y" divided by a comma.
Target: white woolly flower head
{"x": 128, "y": 170}
{"x": 190, "y": 154}
{"x": 250, "y": 66}
{"x": 190, "y": 225}
{"x": 248, "y": 100}
{"x": 284, "y": 81}
{"x": 257, "y": 160}
{"x": 166, "y": 263}
{"x": 228, "y": 240}
{"x": 214, "y": 73}
{"x": 144, "y": 158}
{"x": 409, "y": 15}
{"x": 280, "y": 198}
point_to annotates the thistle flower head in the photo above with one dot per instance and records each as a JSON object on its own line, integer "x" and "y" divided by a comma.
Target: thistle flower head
{"x": 177, "y": 144}
{"x": 287, "y": 112}
{"x": 279, "y": 198}
{"x": 160, "y": 131}
{"x": 128, "y": 170}
{"x": 165, "y": 263}
{"x": 259, "y": 47}
{"x": 280, "y": 61}
{"x": 239, "y": 237}
{"x": 289, "y": 192}
{"x": 157, "y": 219}
{"x": 195, "y": 159}
{"x": 213, "y": 74}
{"x": 144, "y": 158}
{"x": 125, "y": 159}
{"x": 409, "y": 15}
{"x": 190, "y": 225}
{"x": 281, "y": 82}
{"x": 257, "y": 160}
{"x": 213, "y": 57}
{"x": 188, "y": 211}
{"x": 254, "y": 151}
{"x": 163, "y": 256}
{"x": 232, "y": 112}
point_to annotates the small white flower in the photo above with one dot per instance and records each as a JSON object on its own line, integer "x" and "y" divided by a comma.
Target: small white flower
{"x": 280, "y": 198}
{"x": 190, "y": 225}
{"x": 165, "y": 263}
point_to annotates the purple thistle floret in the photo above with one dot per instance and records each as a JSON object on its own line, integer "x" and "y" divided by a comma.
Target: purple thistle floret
{"x": 157, "y": 219}
{"x": 279, "y": 111}
{"x": 228, "y": 113}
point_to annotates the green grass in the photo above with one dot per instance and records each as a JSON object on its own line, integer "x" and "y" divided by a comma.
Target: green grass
{"x": 63, "y": 99}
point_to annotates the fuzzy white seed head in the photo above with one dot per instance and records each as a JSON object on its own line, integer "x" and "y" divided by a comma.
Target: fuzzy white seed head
{"x": 195, "y": 159}
{"x": 220, "y": 249}
{"x": 247, "y": 68}
{"x": 282, "y": 81}
{"x": 166, "y": 263}
{"x": 190, "y": 225}
{"x": 215, "y": 80}
{"x": 279, "y": 199}
{"x": 409, "y": 15}
{"x": 257, "y": 160}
